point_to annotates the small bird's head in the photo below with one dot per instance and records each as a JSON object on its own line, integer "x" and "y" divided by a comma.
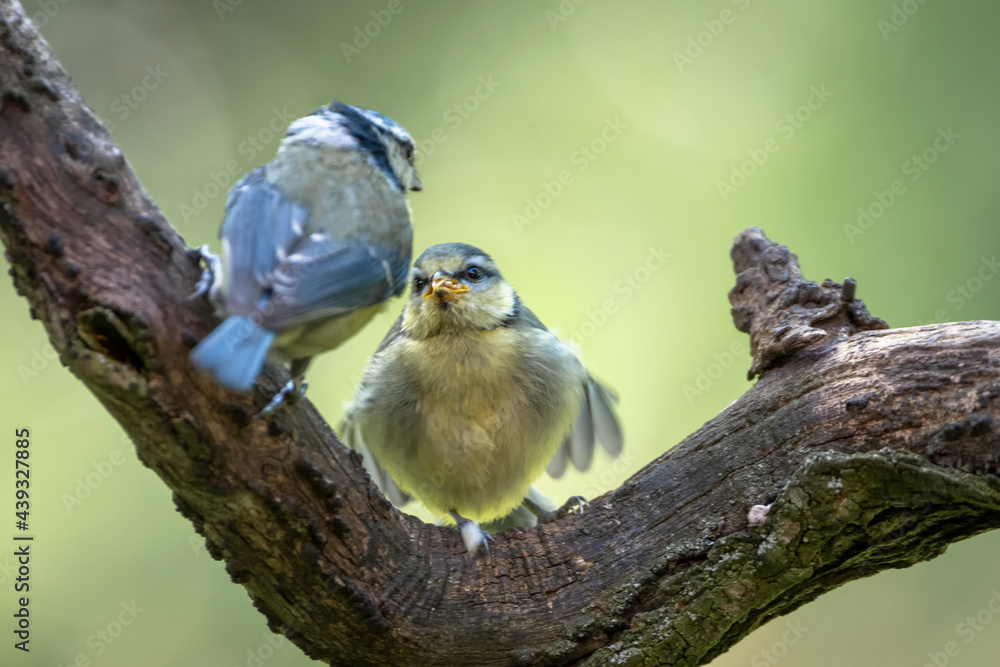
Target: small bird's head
{"x": 387, "y": 146}
{"x": 457, "y": 287}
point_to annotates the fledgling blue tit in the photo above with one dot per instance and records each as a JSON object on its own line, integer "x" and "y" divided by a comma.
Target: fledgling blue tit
{"x": 313, "y": 244}
{"x": 469, "y": 398}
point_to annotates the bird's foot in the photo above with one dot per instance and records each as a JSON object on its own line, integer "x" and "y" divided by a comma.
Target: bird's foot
{"x": 286, "y": 398}
{"x": 213, "y": 267}
{"x": 575, "y": 505}
{"x": 473, "y": 536}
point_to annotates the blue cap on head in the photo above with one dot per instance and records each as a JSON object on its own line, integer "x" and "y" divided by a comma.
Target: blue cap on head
{"x": 366, "y": 126}
{"x": 384, "y": 123}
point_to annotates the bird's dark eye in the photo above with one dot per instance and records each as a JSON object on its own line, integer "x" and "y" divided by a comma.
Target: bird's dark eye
{"x": 419, "y": 284}
{"x": 408, "y": 151}
{"x": 474, "y": 273}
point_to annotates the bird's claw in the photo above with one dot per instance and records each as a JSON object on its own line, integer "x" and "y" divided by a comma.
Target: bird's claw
{"x": 473, "y": 537}
{"x": 575, "y": 505}
{"x": 287, "y": 397}
{"x": 213, "y": 267}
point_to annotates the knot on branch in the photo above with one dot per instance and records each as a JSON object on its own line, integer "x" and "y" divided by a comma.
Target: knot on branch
{"x": 781, "y": 310}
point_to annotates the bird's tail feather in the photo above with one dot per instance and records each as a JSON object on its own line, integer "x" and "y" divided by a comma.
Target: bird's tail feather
{"x": 234, "y": 352}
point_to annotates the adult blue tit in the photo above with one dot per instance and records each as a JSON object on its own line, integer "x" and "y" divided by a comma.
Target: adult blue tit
{"x": 313, "y": 244}
{"x": 469, "y": 398}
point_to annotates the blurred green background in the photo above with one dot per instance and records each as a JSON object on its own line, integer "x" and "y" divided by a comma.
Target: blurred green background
{"x": 684, "y": 94}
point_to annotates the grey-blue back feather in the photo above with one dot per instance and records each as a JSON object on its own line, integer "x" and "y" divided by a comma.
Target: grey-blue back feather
{"x": 234, "y": 352}
{"x": 260, "y": 228}
{"x": 325, "y": 278}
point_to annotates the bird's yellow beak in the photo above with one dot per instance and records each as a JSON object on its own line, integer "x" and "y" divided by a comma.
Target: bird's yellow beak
{"x": 445, "y": 289}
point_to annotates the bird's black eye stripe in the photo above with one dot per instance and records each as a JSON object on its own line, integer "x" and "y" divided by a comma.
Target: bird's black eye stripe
{"x": 475, "y": 273}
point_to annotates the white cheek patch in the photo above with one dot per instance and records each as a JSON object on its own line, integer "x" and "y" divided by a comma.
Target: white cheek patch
{"x": 507, "y": 300}
{"x": 489, "y": 309}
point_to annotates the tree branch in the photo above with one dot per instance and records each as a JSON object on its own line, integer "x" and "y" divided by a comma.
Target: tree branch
{"x": 873, "y": 448}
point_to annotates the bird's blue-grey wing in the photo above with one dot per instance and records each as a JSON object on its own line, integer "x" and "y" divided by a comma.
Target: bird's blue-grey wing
{"x": 607, "y": 430}
{"x": 260, "y": 228}
{"x": 596, "y": 421}
{"x": 323, "y": 278}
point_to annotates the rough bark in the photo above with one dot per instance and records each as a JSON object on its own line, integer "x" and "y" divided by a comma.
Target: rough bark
{"x": 873, "y": 448}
